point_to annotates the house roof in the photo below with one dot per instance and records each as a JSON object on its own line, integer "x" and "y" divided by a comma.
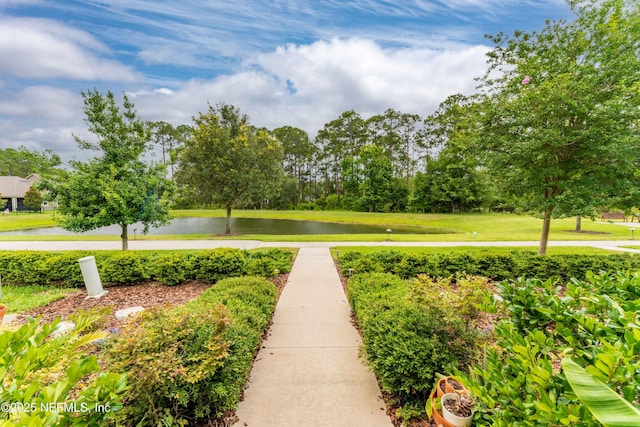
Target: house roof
{"x": 14, "y": 186}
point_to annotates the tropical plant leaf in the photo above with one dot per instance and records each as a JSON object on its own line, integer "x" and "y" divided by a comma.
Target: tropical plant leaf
{"x": 611, "y": 409}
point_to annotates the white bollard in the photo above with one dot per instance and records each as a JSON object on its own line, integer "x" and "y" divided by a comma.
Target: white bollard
{"x": 91, "y": 277}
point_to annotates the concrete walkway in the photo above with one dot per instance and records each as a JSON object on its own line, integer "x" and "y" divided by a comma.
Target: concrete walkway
{"x": 308, "y": 372}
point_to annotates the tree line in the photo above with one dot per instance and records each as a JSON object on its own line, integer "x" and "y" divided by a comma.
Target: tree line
{"x": 552, "y": 131}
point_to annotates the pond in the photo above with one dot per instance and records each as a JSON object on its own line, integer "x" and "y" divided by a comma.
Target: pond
{"x": 240, "y": 226}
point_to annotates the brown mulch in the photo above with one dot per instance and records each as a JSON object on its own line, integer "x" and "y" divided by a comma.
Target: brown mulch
{"x": 144, "y": 294}
{"x": 586, "y": 232}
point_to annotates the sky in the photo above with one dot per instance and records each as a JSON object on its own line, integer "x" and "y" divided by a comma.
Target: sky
{"x": 299, "y": 63}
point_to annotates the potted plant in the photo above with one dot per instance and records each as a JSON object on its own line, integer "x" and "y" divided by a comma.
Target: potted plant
{"x": 434, "y": 408}
{"x": 448, "y": 385}
{"x": 457, "y": 409}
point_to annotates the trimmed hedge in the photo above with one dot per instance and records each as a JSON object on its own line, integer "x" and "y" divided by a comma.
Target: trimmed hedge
{"x": 188, "y": 364}
{"x": 407, "y": 340}
{"x": 495, "y": 266}
{"x": 19, "y": 268}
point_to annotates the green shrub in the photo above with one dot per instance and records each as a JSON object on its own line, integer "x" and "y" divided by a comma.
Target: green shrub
{"x": 40, "y": 371}
{"x": 368, "y": 265}
{"x": 19, "y": 268}
{"x": 169, "y": 355}
{"x": 268, "y": 262}
{"x": 125, "y": 268}
{"x": 595, "y": 321}
{"x": 191, "y": 363}
{"x": 216, "y": 264}
{"x": 464, "y": 303}
{"x": 406, "y": 339}
{"x": 495, "y": 266}
{"x": 173, "y": 268}
{"x": 251, "y": 301}
{"x": 63, "y": 269}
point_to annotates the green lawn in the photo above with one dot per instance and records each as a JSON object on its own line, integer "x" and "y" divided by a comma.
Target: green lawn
{"x": 24, "y": 298}
{"x": 488, "y": 227}
{"x": 24, "y": 221}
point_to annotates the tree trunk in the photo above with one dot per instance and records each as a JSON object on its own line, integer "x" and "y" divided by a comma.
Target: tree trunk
{"x": 578, "y": 223}
{"x": 544, "y": 237}
{"x": 125, "y": 237}
{"x": 227, "y": 227}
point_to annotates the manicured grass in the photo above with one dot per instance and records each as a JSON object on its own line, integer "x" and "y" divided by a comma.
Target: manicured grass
{"x": 25, "y": 221}
{"x": 24, "y": 298}
{"x": 488, "y": 227}
{"x": 559, "y": 250}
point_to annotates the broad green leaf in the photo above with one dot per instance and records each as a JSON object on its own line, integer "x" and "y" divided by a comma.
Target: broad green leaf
{"x": 604, "y": 403}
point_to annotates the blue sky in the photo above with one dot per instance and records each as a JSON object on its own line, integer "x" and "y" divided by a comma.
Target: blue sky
{"x": 285, "y": 62}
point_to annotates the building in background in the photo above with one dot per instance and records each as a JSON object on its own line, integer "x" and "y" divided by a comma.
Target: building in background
{"x": 13, "y": 189}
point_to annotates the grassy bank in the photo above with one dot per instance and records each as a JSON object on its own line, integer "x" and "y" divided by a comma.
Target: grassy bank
{"x": 461, "y": 227}
{"x": 24, "y": 298}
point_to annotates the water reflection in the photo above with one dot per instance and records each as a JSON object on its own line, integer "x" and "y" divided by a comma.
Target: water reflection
{"x": 240, "y": 226}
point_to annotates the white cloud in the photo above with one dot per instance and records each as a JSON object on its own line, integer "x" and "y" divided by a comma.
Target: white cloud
{"x": 308, "y": 85}
{"x": 42, "y": 48}
{"x": 299, "y": 85}
{"x": 42, "y": 103}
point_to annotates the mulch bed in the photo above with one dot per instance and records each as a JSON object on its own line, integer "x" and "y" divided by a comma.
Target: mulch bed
{"x": 144, "y": 294}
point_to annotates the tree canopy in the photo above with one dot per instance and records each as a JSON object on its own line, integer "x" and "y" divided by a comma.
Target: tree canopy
{"x": 226, "y": 160}
{"x": 117, "y": 186}
{"x": 22, "y": 162}
{"x": 559, "y": 120}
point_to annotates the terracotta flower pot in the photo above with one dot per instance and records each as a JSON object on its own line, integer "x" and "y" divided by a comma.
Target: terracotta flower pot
{"x": 437, "y": 417}
{"x": 3, "y": 311}
{"x": 448, "y": 388}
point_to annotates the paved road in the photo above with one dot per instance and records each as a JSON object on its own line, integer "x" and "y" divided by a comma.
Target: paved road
{"x": 251, "y": 244}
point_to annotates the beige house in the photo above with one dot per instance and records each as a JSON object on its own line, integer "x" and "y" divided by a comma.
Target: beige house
{"x": 13, "y": 189}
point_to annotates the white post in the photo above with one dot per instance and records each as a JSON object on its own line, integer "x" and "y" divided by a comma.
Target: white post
{"x": 91, "y": 277}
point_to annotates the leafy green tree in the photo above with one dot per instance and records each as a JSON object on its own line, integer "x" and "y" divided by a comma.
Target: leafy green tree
{"x": 377, "y": 178}
{"x": 453, "y": 180}
{"x": 117, "y": 186}
{"x": 22, "y": 162}
{"x": 398, "y": 135}
{"x": 449, "y": 185}
{"x": 339, "y": 138}
{"x": 561, "y": 111}
{"x": 227, "y": 161}
{"x": 33, "y": 199}
{"x": 167, "y": 139}
{"x": 298, "y": 156}
{"x": 352, "y": 178}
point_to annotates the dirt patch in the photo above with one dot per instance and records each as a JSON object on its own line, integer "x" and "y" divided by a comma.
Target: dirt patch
{"x": 586, "y": 232}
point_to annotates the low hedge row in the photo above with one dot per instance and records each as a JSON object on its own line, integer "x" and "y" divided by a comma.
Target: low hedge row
{"x": 495, "y": 266}
{"x": 188, "y": 364}
{"x": 408, "y": 338}
{"x": 62, "y": 268}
